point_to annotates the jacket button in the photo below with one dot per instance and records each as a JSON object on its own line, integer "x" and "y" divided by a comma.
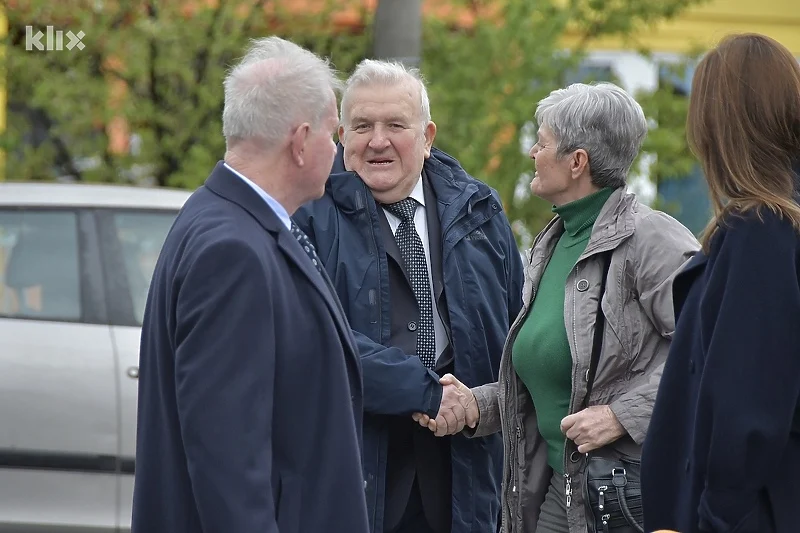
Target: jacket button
{"x": 691, "y": 366}
{"x": 688, "y": 465}
{"x": 582, "y": 285}
{"x": 412, "y": 326}
{"x": 365, "y": 484}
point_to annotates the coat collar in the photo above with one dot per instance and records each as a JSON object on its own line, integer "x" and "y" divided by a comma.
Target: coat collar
{"x": 226, "y": 184}
{"x": 614, "y": 224}
{"x": 452, "y": 186}
{"x": 683, "y": 280}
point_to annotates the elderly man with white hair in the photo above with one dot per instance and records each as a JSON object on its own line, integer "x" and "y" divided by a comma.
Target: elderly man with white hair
{"x": 427, "y": 268}
{"x": 581, "y": 367}
{"x": 250, "y": 391}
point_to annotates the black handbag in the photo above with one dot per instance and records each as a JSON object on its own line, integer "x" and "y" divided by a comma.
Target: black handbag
{"x": 612, "y": 490}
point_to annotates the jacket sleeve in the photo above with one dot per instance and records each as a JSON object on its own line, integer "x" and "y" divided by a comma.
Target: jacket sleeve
{"x": 486, "y": 396}
{"x": 751, "y": 377}
{"x": 488, "y": 402}
{"x": 224, "y": 377}
{"x": 662, "y": 246}
{"x": 516, "y": 276}
{"x": 394, "y": 383}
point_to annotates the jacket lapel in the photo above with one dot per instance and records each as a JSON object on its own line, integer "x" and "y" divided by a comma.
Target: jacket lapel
{"x": 291, "y": 248}
{"x": 434, "y": 236}
{"x": 228, "y": 185}
{"x": 390, "y": 244}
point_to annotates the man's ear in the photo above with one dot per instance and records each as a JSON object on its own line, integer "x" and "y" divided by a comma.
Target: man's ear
{"x": 297, "y": 144}
{"x": 340, "y": 134}
{"x": 579, "y": 163}
{"x": 430, "y": 135}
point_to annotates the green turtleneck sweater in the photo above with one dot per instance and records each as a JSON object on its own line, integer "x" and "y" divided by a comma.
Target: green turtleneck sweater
{"x": 541, "y": 353}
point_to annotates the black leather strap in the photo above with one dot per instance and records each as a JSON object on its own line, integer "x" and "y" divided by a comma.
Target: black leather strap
{"x": 599, "y": 327}
{"x": 619, "y": 480}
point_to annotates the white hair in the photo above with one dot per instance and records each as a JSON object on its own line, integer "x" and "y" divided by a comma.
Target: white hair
{"x": 377, "y": 72}
{"x": 600, "y": 118}
{"x": 274, "y": 88}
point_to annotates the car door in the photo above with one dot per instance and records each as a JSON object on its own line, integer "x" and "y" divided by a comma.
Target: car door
{"x": 131, "y": 242}
{"x": 59, "y": 433}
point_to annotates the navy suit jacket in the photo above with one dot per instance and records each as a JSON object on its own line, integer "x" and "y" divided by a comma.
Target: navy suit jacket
{"x": 250, "y": 392}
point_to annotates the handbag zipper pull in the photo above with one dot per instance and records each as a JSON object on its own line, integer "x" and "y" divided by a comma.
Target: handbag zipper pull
{"x": 568, "y": 489}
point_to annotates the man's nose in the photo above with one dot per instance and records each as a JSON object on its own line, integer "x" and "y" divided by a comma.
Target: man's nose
{"x": 533, "y": 151}
{"x": 379, "y": 139}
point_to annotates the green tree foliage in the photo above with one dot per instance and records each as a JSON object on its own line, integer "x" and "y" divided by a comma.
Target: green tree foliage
{"x": 171, "y": 57}
{"x": 485, "y": 83}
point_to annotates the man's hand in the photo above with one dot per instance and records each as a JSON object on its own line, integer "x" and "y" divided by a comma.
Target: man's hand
{"x": 457, "y": 409}
{"x": 592, "y": 428}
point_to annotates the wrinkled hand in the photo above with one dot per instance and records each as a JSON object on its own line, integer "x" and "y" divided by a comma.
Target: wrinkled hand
{"x": 457, "y": 409}
{"x": 592, "y": 428}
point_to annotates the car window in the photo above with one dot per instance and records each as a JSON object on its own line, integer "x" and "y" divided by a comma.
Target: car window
{"x": 39, "y": 269}
{"x": 141, "y": 235}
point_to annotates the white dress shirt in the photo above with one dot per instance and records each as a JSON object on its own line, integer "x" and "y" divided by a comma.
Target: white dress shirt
{"x": 421, "y": 225}
{"x": 271, "y": 202}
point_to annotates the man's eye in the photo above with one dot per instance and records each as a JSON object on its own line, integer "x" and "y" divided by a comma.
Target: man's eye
{"x": 360, "y": 127}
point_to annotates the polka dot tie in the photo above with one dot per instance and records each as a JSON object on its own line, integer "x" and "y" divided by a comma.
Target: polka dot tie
{"x": 414, "y": 258}
{"x": 308, "y": 248}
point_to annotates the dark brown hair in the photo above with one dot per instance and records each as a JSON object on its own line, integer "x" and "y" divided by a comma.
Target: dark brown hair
{"x": 744, "y": 126}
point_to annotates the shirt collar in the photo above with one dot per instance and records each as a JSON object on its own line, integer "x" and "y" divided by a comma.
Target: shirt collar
{"x": 279, "y": 210}
{"x": 418, "y": 193}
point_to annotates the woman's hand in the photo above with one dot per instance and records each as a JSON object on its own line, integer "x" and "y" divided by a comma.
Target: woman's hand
{"x": 457, "y": 409}
{"x": 592, "y": 428}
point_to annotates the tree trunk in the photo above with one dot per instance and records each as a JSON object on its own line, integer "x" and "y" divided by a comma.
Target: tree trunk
{"x": 398, "y": 31}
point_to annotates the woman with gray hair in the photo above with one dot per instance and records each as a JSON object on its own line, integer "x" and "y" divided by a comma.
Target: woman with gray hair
{"x": 582, "y": 361}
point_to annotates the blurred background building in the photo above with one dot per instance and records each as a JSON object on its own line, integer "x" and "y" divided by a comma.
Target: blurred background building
{"x": 644, "y": 59}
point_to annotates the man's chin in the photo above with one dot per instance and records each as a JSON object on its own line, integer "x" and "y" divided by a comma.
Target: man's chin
{"x": 380, "y": 181}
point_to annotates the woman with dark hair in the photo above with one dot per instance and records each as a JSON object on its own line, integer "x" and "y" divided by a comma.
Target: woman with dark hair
{"x": 723, "y": 450}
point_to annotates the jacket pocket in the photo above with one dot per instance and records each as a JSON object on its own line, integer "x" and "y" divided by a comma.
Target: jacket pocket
{"x": 519, "y": 434}
{"x": 288, "y": 503}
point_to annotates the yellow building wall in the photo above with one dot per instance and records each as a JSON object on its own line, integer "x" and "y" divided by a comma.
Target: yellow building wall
{"x": 702, "y": 26}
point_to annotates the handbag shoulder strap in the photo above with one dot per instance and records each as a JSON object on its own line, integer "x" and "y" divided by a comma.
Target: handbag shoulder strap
{"x": 599, "y": 327}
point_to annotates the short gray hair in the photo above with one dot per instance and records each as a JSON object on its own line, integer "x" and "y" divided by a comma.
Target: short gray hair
{"x": 379, "y": 72}
{"x": 600, "y": 118}
{"x": 275, "y": 87}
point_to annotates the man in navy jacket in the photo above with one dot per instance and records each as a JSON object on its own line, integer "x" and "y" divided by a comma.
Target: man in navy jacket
{"x": 397, "y": 211}
{"x": 250, "y": 393}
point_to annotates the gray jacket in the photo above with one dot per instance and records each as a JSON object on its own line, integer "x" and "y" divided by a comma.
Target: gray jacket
{"x": 649, "y": 247}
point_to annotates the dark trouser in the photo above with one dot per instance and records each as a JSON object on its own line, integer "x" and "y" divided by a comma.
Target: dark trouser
{"x": 553, "y": 513}
{"x": 413, "y": 520}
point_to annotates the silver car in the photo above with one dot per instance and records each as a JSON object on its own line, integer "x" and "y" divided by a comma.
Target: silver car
{"x": 75, "y": 266}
